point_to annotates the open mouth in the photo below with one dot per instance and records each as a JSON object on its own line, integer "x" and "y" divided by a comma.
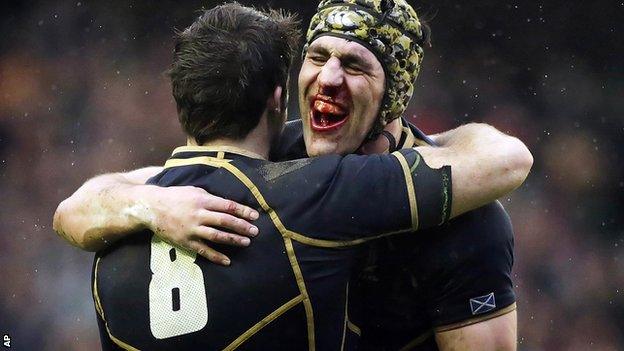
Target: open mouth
{"x": 326, "y": 115}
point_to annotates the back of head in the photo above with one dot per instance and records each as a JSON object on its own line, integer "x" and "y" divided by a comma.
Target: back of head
{"x": 225, "y": 67}
{"x": 391, "y": 30}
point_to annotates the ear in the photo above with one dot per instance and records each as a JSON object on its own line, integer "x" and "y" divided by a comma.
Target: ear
{"x": 275, "y": 100}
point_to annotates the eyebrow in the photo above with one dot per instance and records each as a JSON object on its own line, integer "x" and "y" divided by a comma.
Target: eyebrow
{"x": 345, "y": 58}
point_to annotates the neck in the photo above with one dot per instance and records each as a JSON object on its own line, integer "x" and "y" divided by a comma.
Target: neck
{"x": 258, "y": 141}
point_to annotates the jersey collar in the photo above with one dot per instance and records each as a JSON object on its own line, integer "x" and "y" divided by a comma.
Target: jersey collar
{"x": 214, "y": 148}
{"x": 411, "y": 136}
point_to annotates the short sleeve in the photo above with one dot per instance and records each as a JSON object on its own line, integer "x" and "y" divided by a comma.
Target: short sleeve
{"x": 467, "y": 273}
{"x": 364, "y": 197}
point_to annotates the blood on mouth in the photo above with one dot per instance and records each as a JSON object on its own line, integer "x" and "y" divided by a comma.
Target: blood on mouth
{"x": 327, "y": 115}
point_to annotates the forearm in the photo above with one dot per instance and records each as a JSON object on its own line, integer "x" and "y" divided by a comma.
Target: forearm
{"x": 486, "y": 164}
{"x": 104, "y": 209}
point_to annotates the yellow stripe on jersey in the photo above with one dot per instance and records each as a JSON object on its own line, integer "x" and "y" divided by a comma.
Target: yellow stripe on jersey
{"x": 100, "y": 310}
{"x": 417, "y": 341}
{"x": 264, "y": 322}
{"x": 218, "y": 163}
{"x": 411, "y": 192}
{"x": 229, "y": 149}
{"x": 288, "y": 235}
{"x": 476, "y": 320}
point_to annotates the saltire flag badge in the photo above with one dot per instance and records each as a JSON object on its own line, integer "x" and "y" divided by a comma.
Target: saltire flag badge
{"x": 482, "y": 304}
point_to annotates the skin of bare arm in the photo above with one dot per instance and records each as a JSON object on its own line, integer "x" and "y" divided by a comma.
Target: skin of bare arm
{"x": 111, "y": 206}
{"x": 486, "y": 164}
{"x": 496, "y": 334}
{"x": 92, "y": 225}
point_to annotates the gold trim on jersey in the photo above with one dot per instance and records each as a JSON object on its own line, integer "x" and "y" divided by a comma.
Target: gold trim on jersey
{"x": 419, "y": 142}
{"x": 96, "y": 296}
{"x": 410, "y": 139}
{"x": 354, "y": 328}
{"x": 307, "y": 304}
{"x": 215, "y": 162}
{"x": 346, "y": 319}
{"x": 348, "y": 324}
{"x": 209, "y": 148}
{"x": 264, "y": 322}
{"x": 338, "y": 243}
{"x": 201, "y": 160}
{"x": 100, "y": 311}
{"x": 288, "y": 235}
{"x": 476, "y": 320}
{"x": 289, "y": 247}
{"x": 411, "y": 192}
{"x": 417, "y": 341}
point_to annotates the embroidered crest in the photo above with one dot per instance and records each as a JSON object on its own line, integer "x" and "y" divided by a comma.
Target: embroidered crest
{"x": 482, "y": 304}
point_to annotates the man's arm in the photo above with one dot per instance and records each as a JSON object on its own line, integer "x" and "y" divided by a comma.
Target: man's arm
{"x": 92, "y": 217}
{"x": 499, "y": 333}
{"x": 409, "y": 190}
{"x": 109, "y": 207}
{"x": 496, "y": 334}
{"x": 486, "y": 164}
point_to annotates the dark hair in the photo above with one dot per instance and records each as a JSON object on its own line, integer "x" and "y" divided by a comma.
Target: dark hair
{"x": 426, "y": 34}
{"x": 225, "y": 67}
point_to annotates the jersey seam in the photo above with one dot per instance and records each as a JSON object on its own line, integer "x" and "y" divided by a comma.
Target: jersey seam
{"x": 124, "y": 345}
{"x": 264, "y": 322}
{"x": 216, "y": 162}
{"x": 508, "y": 309}
{"x": 417, "y": 340}
{"x": 346, "y": 319}
{"x": 211, "y": 161}
{"x": 339, "y": 243}
{"x": 200, "y": 160}
{"x": 411, "y": 191}
{"x": 354, "y": 328}
{"x": 224, "y": 149}
{"x": 289, "y": 236}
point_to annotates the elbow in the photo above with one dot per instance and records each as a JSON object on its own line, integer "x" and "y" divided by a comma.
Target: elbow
{"x": 57, "y": 220}
{"x": 61, "y": 225}
{"x": 519, "y": 162}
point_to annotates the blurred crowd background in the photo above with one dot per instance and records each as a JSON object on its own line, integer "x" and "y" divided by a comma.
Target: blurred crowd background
{"x": 82, "y": 92}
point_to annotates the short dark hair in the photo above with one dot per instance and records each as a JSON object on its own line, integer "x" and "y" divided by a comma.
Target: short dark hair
{"x": 225, "y": 67}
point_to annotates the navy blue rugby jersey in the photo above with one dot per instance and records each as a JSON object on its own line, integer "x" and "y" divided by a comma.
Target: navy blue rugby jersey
{"x": 290, "y": 288}
{"x": 410, "y": 286}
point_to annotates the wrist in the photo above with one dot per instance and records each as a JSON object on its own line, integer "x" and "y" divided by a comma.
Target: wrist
{"x": 141, "y": 206}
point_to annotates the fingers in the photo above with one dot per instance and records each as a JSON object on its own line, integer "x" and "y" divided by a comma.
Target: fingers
{"x": 208, "y": 253}
{"x": 221, "y": 237}
{"x": 219, "y": 204}
{"x": 228, "y": 222}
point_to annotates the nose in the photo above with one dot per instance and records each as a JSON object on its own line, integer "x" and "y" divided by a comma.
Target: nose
{"x": 332, "y": 74}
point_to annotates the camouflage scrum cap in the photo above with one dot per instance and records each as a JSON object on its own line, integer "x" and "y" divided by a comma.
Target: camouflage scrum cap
{"x": 390, "y": 29}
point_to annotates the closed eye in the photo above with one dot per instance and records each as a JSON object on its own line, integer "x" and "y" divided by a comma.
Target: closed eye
{"x": 353, "y": 68}
{"x": 317, "y": 59}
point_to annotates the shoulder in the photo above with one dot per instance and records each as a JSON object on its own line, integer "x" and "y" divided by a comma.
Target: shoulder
{"x": 472, "y": 241}
{"x": 291, "y": 145}
{"x": 468, "y": 265}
